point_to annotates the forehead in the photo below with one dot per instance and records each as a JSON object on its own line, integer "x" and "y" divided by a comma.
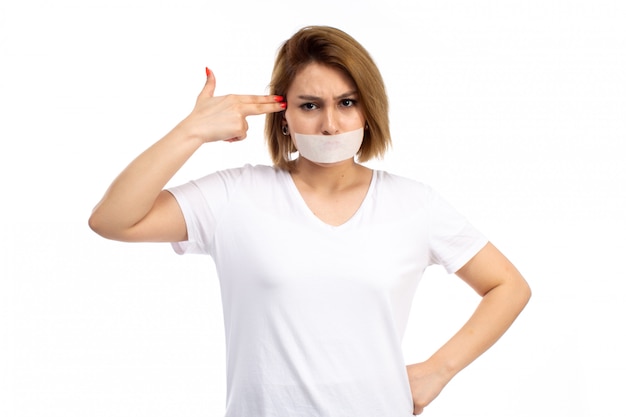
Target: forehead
{"x": 321, "y": 80}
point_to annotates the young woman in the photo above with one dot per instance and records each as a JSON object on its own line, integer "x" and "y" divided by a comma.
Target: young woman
{"x": 318, "y": 256}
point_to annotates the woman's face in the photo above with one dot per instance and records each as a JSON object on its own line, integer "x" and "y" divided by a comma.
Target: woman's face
{"x": 323, "y": 101}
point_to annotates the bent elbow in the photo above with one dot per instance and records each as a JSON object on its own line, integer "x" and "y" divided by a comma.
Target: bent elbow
{"x": 528, "y": 292}
{"x": 103, "y": 227}
{"x": 97, "y": 224}
{"x": 524, "y": 293}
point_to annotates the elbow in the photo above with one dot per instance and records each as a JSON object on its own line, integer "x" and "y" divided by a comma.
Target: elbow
{"x": 516, "y": 290}
{"x": 103, "y": 226}
{"x": 528, "y": 293}
{"x": 523, "y": 293}
{"x": 110, "y": 227}
{"x": 96, "y": 224}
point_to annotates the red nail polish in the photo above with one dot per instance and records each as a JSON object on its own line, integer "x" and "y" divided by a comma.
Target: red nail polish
{"x": 279, "y": 98}
{"x": 208, "y": 72}
{"x": 283, "y": 104}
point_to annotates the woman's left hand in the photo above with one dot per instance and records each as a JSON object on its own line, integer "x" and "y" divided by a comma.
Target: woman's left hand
{"x": 426, "y": 383}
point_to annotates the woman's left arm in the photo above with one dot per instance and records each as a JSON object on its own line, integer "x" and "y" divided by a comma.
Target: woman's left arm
{"x": 504, "y": 294}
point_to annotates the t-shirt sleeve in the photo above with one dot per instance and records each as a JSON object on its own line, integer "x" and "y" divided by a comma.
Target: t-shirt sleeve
{"x": 201, "y": 202}
{"x": 453, "y": 240}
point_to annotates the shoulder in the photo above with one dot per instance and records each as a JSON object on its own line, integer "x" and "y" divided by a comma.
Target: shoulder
{"x": 400, "y": 198}
{"x": 244, "y": 174}
{"x": 248, "y": 170}
{"x": 391, "y": 185}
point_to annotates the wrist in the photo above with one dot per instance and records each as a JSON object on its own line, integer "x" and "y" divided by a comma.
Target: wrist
{"x": 186, "y": 133}
{"x": 444, "y": 366}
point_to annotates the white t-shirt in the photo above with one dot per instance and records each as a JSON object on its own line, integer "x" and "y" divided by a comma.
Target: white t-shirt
{"x": 315, "y": 314}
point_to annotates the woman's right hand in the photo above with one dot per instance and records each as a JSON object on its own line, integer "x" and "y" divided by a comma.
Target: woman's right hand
{"x": 135, "y": 207}
{"x": 224, "y": 117}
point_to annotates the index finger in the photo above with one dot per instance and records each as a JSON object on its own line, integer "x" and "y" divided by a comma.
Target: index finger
{"x": 252, "y": 105}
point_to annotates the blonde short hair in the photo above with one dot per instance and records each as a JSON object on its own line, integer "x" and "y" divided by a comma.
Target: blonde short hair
{"x": 335, "y": 48}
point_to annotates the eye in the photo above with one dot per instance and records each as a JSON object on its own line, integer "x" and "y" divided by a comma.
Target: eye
{"x": 308, "y": 106}
{"x": 347, "y": 102}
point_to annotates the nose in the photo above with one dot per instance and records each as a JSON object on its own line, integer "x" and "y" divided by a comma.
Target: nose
{"x": 330, "y": 123}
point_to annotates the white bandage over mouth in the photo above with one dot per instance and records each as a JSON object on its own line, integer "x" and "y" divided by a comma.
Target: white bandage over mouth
{"x": 329, "y": 148}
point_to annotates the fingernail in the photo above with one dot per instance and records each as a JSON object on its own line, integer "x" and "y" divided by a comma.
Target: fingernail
{"x": 208, "y": 72}
{"x": 279, "y": 98}
{"x": 283, "y": 104}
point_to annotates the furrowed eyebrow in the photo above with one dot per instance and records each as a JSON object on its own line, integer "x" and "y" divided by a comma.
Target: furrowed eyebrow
{"x": 309, "y": 98}
{"x": 349, "y": 94}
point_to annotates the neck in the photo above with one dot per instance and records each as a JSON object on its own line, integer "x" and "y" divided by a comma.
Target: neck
{"x": 329, "y": 177}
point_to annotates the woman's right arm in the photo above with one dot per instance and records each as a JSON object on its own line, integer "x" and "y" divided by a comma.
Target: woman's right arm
{"x": 135, "y": 207}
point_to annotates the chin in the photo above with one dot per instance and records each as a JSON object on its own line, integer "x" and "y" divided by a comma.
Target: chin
{"x": 349, "y": 161}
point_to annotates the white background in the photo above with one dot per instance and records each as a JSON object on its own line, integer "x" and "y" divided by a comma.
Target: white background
{"x": 513, "y": 110}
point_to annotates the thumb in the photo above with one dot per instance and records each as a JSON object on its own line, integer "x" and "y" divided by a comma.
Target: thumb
{"x": 209, "y": 86}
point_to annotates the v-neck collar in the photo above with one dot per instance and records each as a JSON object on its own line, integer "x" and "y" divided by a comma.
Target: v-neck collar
{"x": 308, "y": 213}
